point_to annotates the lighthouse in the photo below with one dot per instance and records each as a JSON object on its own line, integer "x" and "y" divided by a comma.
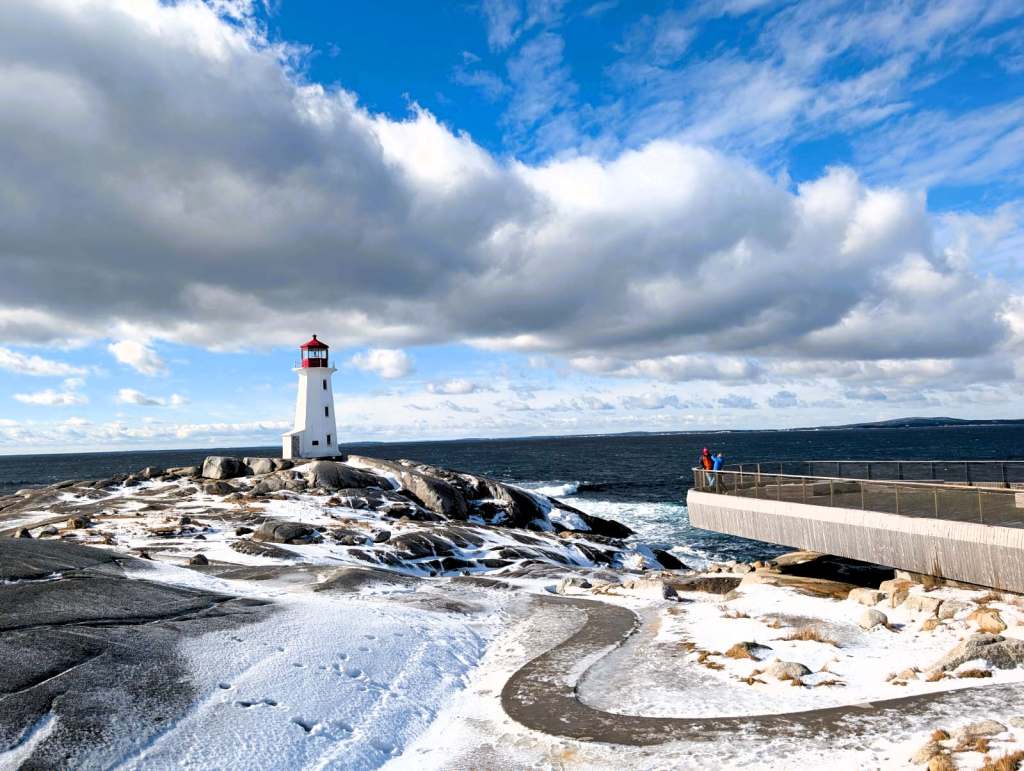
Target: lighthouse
{"x": 315, "y": 434}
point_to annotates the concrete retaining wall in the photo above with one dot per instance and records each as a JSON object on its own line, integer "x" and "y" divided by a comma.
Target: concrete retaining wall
{"x": 986, "y": 555}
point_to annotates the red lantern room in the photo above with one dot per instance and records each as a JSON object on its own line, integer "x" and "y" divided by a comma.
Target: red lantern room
{"x": 314, "y": 353}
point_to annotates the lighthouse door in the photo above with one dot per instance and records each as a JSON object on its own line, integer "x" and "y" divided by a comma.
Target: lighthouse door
{"x": 296, "y": 450}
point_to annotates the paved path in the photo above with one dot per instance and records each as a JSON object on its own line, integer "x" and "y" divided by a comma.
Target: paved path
{"x": 542, "y": 695}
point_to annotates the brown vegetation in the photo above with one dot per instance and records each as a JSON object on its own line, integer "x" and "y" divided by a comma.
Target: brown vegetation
{"x": 810, "y": 633}
{"x": 1009, "y": 762}
{"x": 974, "y": 673}
{"x": 939, "y": 735}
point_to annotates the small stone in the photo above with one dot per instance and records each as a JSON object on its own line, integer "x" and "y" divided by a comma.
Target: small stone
{"x": 748, "y": 650}
{"x": 949, "y": 608}
{"x": 869, "y": 597}
{"x": 382, "y": 536}
{"x": 871, "y": 618}
{"x": 77, "y": 523}
{"x": 23, "y": 533}
{"x": 743, "y": 568}
{"x": 987, "y": 620}
{"x": 199, "y": 559}
{"x": 199, "y": 537}
{"x": 920, "y": 603}
{"x": 143, "y": 554}
{"x": 979, "y": 729}
{"x": 572, "y": 582}
{"x": 243, "y": 530}
{"x": 49, "y": 530}
{"x": 787, "y": 670}
{"x": 896, "y": 589}
{"x": 930, "y": 624}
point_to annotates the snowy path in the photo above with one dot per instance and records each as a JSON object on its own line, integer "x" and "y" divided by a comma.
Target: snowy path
{"x": 543, "y": 696}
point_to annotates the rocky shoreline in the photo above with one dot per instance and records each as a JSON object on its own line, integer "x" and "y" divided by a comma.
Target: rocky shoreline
{"x": 257, "y": 559}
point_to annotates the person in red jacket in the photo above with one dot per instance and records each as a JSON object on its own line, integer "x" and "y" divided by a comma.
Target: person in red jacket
{"x": 707, "y": 463}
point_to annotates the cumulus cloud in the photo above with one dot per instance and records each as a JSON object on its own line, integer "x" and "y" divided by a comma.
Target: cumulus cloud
{"x": 138, "y": 356}
{"x": 389, "y": 363}
{"x": 50, "y": 397}
{"x": 783, "y": 399}
{"x": 650, "y": 401}
{"x": 132, "y": 396}
{"x": 668, "y": 261}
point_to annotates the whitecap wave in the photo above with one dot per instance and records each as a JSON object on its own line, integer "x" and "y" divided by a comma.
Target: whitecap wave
{"x": 554, "y": 489}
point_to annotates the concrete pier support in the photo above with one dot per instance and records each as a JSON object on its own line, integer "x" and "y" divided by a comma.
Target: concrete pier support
{"x": 987, "y": 555}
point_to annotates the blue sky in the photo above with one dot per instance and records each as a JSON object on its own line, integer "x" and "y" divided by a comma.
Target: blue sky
{"x": 508, "y": 217}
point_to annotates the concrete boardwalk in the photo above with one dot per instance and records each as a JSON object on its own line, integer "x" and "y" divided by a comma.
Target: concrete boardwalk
{"x": 952, "y": 547}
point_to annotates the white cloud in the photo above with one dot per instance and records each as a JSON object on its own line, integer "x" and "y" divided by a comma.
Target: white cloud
{"x": 389, "y": 363}
{"x": 139, "y": 356}
{"x": 456, "y": 387}
{"x": 51, "y": 398}
{"x": 24, "y": 364}
{"x": 132, "y": 396}
{"x": 668, "y": 261}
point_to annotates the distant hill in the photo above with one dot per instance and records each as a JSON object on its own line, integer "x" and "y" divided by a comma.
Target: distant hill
{"x": 924, "y": 423}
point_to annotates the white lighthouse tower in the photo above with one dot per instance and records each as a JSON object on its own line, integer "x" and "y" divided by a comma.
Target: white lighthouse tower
{"x": 315, "y": 434}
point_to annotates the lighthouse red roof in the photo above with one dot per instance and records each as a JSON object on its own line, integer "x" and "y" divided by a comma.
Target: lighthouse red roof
{"x": 314, "y": 343}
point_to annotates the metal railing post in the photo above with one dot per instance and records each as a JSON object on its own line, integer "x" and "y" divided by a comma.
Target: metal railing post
{"x": 831, "y": 493}
{"x": 935, "y": 493}
{"x": 1002, "y": 468}
{"x": 899, "y": 471}
{"x": 933, "y": 470}
{"x": 981, "y": 510}
{"x": 778, "y": 489}
{"x": 803, "y": 489}
{"x": 862, "y": 505}
{"x": 967, "y": 472}
{"x": 897, "y": 499}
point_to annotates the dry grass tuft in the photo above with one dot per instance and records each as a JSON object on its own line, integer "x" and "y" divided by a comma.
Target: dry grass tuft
{"x": 941, "y": 763}
{"x": 939, "y": 735}
{"x": 751, "y": 680}
{"x": 810, "y": 633}
{"x": 988, "y": 597}
{"x": 934, "y": 677}
{"x": 738, "y": 651}
{"x": 773, "y": 623}
{"x": 826, "y": 683}
{"x": 1010, "y": 762}
{"x": 735, "y": 614}
{"x": 974, "y": 673}
{"x": 973, "y": 744}
{"x": 704, "y": 660}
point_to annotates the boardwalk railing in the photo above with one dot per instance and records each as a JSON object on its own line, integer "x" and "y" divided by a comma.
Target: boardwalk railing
{"x": 985, "y": 492}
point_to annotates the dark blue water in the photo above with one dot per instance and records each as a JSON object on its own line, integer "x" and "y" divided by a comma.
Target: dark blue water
{"x": 641, "y": 480}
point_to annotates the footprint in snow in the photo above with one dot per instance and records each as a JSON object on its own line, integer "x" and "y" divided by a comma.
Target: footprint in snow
{"x": 266, "y": 702}
{"x": 306, "y": 725}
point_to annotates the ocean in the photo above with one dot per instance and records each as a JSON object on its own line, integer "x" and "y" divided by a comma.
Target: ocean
{"x": 640, "y": 480}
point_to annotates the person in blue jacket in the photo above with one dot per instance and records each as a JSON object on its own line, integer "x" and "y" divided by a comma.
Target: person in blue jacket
{"x": 716, "y": 465}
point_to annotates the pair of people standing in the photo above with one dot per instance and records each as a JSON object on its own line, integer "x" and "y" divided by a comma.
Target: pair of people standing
{"x": 711, "y": 463}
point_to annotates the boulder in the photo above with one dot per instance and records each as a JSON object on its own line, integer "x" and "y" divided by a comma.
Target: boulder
{"x": 277, "y": 531}
{"x": 199, "y": 559}
{"x": 926, "y": 753}
{"x": 218, "y": 488}
{"x": 572, "y": 582}
{"x": 949, "y": 608}
{"x": 261, "y": 466}
{"x": 650, "y": 587}
{"x": 748, "y": 650}
{"x": 332, "y": 475}
{"x": 422, "y": 544}
{"x": 923, "y": 603}
{"x": 869, "y": 597}
{"x": 151, "y": 472}
{"x": 871, "y": 618}
{"x": 77, "y": 523}
{"x": 711, "y": 584}
{"x": 787, "y": 670}
{"x": 668, "y": 560}
{"x": 987, "y": 620}
{"x": 381, "y": 536}
{"x": 805, "y": 585}
{"x": 257, "y": 549}
{"x": 897, "y": 590}
{"x": 434, "y": 494}
{"x": 23, "y": 532}
{"x": 608, "y": 528}
{"x": 998, "y": 651}
{"x": 223, "y": 467}
{"x": 978, "y": 729}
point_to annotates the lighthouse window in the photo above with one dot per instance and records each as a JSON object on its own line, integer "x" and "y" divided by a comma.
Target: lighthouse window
{"x": 327, "y": 412}
{"x": 316, "y": 442}
{"x": 325, "y": 384}
{"x": 328, "y": 440}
